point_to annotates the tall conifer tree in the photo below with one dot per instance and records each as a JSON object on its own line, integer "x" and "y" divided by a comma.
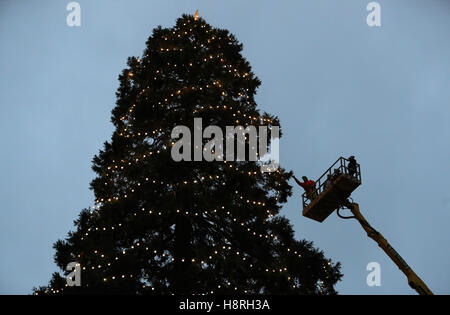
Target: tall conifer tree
{"x": 189, "y": 227}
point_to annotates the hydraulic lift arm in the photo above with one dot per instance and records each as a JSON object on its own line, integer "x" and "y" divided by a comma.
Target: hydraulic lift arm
{"x": 413, "y": 280}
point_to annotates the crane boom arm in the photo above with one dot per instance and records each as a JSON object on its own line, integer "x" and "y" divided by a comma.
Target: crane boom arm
{"x": 413, "y": 279}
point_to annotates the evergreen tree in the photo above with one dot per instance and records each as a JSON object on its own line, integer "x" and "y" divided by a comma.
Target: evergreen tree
{"x": 188, "y": 227}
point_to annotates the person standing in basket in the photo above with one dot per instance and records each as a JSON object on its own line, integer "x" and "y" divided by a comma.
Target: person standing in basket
{"x": 352, "y": 166}
{"x": 308, "y": 185}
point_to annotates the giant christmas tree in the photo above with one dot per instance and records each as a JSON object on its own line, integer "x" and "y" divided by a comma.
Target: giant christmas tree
{"x": 187, "y": 227}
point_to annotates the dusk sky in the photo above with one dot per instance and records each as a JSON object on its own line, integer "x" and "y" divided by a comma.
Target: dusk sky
{"x": 338, "y": 86}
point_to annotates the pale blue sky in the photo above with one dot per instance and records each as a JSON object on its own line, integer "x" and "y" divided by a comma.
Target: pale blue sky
{"x": 338, "y": 86}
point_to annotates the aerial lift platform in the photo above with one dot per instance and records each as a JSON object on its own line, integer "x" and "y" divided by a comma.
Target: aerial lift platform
{"x": 332, "y": 192}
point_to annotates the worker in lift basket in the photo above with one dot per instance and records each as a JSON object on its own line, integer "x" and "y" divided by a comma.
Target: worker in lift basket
{"x": 309, "y": 186}
{"x": 352, "y": 166}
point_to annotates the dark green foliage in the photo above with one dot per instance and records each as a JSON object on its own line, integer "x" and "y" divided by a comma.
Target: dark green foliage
{"x": 187, "y": 227}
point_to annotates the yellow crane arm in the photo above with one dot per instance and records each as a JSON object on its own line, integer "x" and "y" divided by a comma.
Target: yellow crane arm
{"x": 413, "y": 279}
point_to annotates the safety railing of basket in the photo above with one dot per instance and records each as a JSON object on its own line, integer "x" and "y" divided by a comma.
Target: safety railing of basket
{"x": 338, "y": 167}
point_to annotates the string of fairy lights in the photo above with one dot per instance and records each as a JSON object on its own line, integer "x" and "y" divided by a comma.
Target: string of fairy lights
{"x": 176, "y": 93}
{"x": 201, "y": 261}
{"x": 269, "y": 215}
{"x": 128, "y": 133}
{"x": 117, "y": 166}
{"x": 160, "y": 182}
{"x": 217, "y": 251}
{"x": 222, "y": 250}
